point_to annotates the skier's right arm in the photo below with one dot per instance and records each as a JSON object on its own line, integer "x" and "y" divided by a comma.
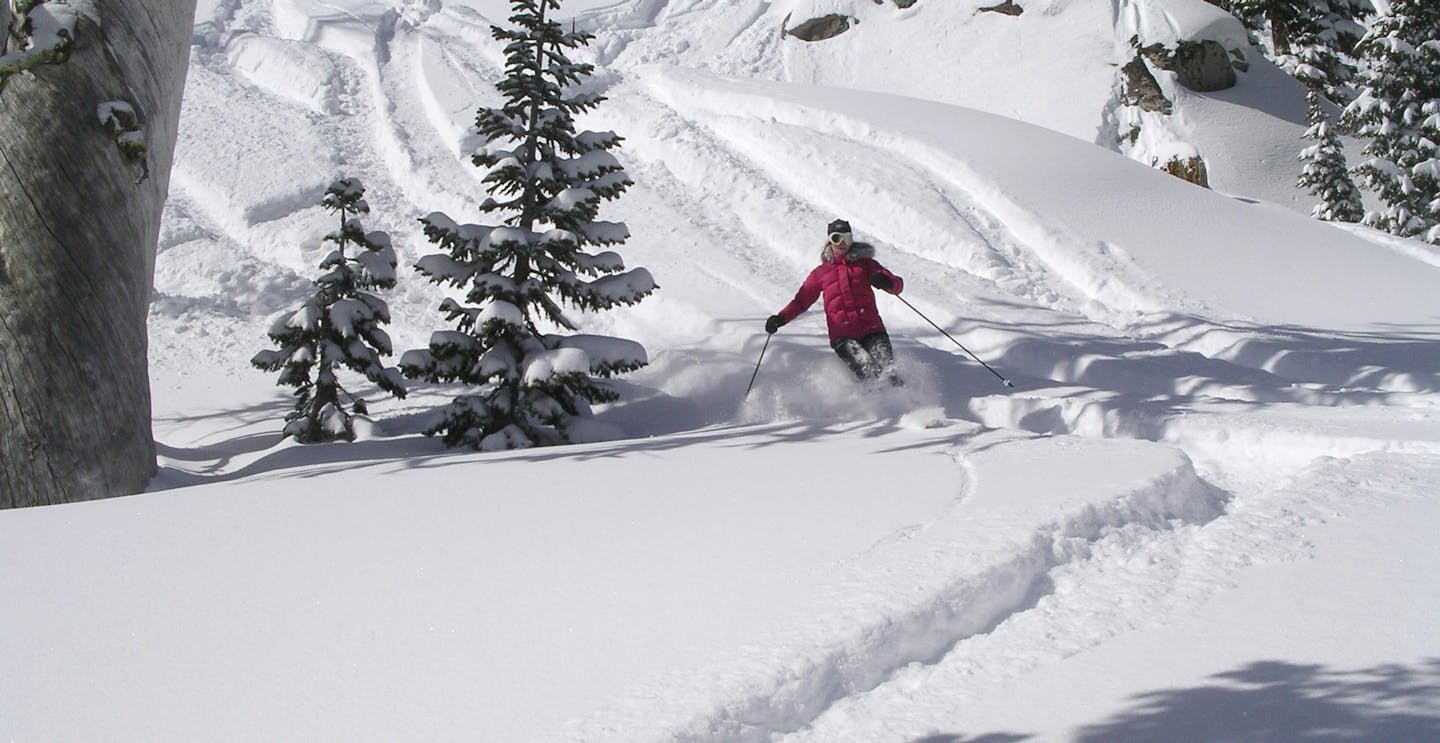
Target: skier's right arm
{"x": 809, "y": 292}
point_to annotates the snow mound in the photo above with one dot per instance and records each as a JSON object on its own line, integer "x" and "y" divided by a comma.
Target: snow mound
{"x": 291, "y": 70}
{"x": 240, "y": 174}
{"x": 330, "y": 20}
{"x": 949, "y": 578}
{"x": 1169, "y": 22}
{"x": 1128, "y": 239}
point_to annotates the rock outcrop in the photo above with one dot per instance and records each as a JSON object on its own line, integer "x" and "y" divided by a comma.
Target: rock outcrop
{"x": 1141, "y": 89}
{"x": 1203, "y": 66}
{"x": 1190, "y": 169}
{"x": 824, "y": 27}
{"x": 1007, "y": 8}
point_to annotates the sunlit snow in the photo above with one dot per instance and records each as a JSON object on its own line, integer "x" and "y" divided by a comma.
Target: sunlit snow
{"x": 1206, "y": 510}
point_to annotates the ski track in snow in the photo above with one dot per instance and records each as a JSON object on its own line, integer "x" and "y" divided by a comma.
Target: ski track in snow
{"x": 887, "y": 637}
{"x": 1247, "y": 406}
{"x": 1132, "y": 572}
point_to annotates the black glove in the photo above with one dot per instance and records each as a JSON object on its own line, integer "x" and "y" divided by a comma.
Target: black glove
{"x": 773, "y": 324}
{"x": 881, "y": 281}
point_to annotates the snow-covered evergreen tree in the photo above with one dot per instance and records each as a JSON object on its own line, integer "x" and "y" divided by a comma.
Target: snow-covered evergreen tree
{"x": 339, "y": 326}
{"x": 1310, "y": 39}
{"x": 1326, "y": 175}
{"x": 1270, "y": 22}
{"x": 546, "y": 184}
{"x": 1398, "y": 111}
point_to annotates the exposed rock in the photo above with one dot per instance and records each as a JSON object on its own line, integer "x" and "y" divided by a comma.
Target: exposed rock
{"x": 1141, "y": 89}
{"x": 824, "y": 27}
{"x": 904, "y": 3}
{"x": 1239, "y": 63}
{"x": 1156, "y": 53}
{"x": 1203, "y": 66}
{"x": 1008, "y": 8}
{"x": 1190, "y": 169}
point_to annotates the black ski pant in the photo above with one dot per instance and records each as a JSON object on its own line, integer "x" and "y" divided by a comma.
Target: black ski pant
{"x": 869, "y": 357}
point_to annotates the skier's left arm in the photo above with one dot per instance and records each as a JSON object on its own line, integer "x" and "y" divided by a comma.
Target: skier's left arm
{"x": 882, "y": 279}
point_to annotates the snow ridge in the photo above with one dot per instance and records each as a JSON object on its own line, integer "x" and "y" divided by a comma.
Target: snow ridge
{"x": 954, "y": 578}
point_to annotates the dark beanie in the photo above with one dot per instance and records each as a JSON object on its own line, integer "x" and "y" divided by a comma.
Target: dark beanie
{"x": 838, "y": 225}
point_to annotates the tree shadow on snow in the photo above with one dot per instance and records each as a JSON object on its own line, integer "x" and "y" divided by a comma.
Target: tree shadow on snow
{"x": 1392, "y": 358}
{"x": 1259, "y": 363}
{"x": 1147, "y": 380}
{"x": 1281, "y": 701}
{"x": 279, "y": 456}
{"x": 697, "y": 395}
{"x": 1274, "y": 702}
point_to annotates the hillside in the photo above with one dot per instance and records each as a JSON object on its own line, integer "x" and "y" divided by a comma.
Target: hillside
{"x": 1201, "y": 513}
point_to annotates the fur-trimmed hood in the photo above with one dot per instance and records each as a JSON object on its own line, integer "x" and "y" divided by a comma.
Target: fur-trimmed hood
{"x": 858, "y": 251}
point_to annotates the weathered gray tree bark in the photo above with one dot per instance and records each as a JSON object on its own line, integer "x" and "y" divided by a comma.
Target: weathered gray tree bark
{"x": 4, "y": 26}
{"x": 79, "y": 220}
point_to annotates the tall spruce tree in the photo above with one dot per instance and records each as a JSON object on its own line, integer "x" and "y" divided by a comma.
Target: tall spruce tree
{"x": 1325, "y": 174}
{"x": 1398, "y": 111}
{"x": 339, "y": 326}
{"x": 546, "y": 184}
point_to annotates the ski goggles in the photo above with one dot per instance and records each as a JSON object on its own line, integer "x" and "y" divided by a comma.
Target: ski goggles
{"x": 840, "y": 237}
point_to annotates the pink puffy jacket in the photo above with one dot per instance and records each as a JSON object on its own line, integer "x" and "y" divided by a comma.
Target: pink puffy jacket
{"x": 849, "y": 299}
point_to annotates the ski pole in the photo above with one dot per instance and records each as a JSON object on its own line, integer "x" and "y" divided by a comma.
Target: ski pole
{"x": 1007, "y": 382}
{"x": 757, "y": 363}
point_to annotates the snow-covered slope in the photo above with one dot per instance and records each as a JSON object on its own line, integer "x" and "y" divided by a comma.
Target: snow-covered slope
{"x": 1202, "y": 513}
{"x": 1056, "y": 65}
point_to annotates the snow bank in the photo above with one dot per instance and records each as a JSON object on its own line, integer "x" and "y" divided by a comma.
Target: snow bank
{"x": 917, "y": 593}
{"x": 331, "y": 610}
{"x": 241, "y": 173}
{"x": 1131, "y": 239}
{"x": 330, "y": 20}
{"x": 1226, "y": 631}
{"x": 449, "y": 93}
{"x": 389, "y": 603}
{"x": 1169, "y": 22}
{"x": 1250, "y": 442}
{"x": 291, "y": 70}
{"x": 927, "y": 51}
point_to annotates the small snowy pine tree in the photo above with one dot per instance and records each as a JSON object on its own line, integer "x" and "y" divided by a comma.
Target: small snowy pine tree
{"x": 547, "y": 183}
{"x": 1325, "y": 174}
{"x": 338, "y": 326}
{"x": 1398, "y": 111}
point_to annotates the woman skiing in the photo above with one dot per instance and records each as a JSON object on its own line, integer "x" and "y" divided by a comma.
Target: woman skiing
{"x": 846, "y": 273}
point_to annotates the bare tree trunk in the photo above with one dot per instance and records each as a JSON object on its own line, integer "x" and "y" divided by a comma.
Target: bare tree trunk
{"x": 79, "y": 220}
{"x": 4, "y": 25}
{"x": 1279, "y": 31}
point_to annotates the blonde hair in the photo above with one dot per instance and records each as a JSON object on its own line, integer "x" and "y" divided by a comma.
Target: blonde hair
{"x": 827, "y": 250}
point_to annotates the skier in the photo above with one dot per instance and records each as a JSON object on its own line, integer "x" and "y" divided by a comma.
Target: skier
{"x": 846, "y": 273}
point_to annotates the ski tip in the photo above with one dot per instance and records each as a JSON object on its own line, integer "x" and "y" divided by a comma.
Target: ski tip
{"x": 1008, "y": 383}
